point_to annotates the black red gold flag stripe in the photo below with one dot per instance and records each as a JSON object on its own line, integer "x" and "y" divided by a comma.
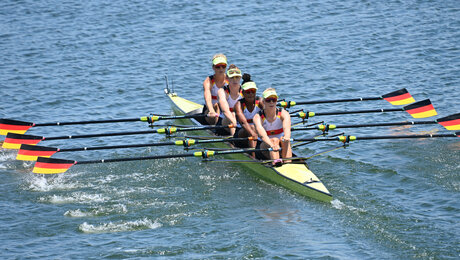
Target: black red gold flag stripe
{"x": 14, "y": 141}
{"x": 421, "y": 109}
{"x": 13, "y": 126}
{"x": 451, "y": 122}
{"x": 31, "y": 152}
{"x": 52, "y": 165}
{"x": 399, "y": 97}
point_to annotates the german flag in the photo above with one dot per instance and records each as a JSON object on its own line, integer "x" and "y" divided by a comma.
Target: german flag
{"x": 14, "y": 126}
{"x": 399, "y": 97}
{"x": 14, "y": 141}
{"x": 29, "y": 152}
{"x": 421, "y": 109}
{"x": 52, "y": 165}
{"x": 451, "y": 122}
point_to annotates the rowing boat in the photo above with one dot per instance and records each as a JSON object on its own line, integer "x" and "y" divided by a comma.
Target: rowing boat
{"x": 294, "y": 176}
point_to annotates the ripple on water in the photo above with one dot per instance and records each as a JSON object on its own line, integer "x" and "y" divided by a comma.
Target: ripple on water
{"x": 120, "y": 226}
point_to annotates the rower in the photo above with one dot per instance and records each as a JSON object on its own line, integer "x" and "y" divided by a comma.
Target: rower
{"x": 228, "y": 97}
{"x": 245, "y": 109}
{"x": 273, "y": 126}
{"x": 211, "y": 85}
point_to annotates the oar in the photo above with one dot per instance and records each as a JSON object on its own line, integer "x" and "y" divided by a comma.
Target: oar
{"x": 419, "y": 109}
{"x": 31, "y": 152}
{"x": 398, "y": 97}
{"x": 14, "y": 141}
{"x": 349, "y": 138}
{"x": 20, "y": 127}
{"x": 451, "y": 122}
{"x": 52, "y": 165}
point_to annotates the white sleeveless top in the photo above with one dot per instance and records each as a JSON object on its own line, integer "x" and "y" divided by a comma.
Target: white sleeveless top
{"x": 215, "y": 89}
{"x": 249, "y": 115}
{"x": 275, "y": 128}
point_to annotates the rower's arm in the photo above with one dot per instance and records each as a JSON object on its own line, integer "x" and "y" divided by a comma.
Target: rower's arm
{"x": 242, "y": 119}
{"x": 286, "y": 124}
{"x": 260, "y": 129}
{"x": 225, "y": 109}
{"x": 207, "y": 95}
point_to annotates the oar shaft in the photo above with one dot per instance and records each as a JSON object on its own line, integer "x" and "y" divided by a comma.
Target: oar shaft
{"x": 359, "y": 111}
{"x": 166, "y": 156}
{"x": 179, "y": 142}
{"x": 338, "y": 100}
{"x": 90, "y": 122}
{"x": 114, "y": 147}
{"x": 405, "y": 136}
{"x": 100, "y": 135}
{"x": 370, "y": 125}
{"x": 353, "y": 138}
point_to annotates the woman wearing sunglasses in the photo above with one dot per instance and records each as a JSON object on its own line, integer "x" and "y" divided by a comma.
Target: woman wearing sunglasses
{"x": 211, "y": 86}
{"x": 245, "y": 109}
{"x": 274, "y": 128}
{"x": 228, "y": 96}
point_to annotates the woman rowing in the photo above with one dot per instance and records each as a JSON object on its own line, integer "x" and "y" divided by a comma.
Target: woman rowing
{"x": 245, "y": 109}
{"x": 228, "y": 96}
{"x": 274, "y": 128}
{"x": 211, "y": 86}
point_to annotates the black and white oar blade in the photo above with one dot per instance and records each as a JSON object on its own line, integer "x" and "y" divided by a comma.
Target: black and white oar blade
{"x": 14, "y": 141}
{"x": 421, "y": 109}
{"x": 399, "y": 97}
{"x": 451, "y": 122}
{"x": 52, "y": 165}
{"x": 14, "y": 126}
{"x": 29, "y": 152}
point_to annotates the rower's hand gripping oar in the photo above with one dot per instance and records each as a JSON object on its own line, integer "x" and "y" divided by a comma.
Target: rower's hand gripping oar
{"x": 20, "y": 127}
{"x": 32, "y": 152}
{"x": 14, "y": 141}
{"x": 398, "y": 97}
{"x": 451, "y": 122}
{"x": 421, "y": 109}
{"x": 53, "y": 166}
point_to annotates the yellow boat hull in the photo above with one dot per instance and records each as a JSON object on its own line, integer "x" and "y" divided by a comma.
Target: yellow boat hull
{"x": 293, "y": 176}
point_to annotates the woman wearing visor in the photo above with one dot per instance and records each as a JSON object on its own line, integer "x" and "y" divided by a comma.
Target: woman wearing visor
{"x": 228, "y": 96}
{"x": 245, "y": 109}
{"x": 273, "y": 126}
{"x": 211, "y": 86}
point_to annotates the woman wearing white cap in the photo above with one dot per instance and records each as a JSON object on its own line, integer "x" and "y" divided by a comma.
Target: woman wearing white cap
{"x": 274, "y": 127}
{"x": 245, "y": 109}
{"x": 228, "y": 96}
{"x": 211, "y": 86}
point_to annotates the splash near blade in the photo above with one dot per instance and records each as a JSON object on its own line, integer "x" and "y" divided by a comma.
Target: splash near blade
{"x": 14, "y": 141}
{"x": 31, "y": 152}
{"x": 451, "y": 122}
{"x": 399, "y": 97}
{"x": 14, "y": 126}
{"x": 52, "y": 166}
{"x": 421, "y": 109}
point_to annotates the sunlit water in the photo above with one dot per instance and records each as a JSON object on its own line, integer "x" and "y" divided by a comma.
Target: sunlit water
{"x": 67, "y": 61}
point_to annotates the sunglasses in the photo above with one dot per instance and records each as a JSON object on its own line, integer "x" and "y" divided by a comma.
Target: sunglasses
{"x": 269, "y": 100}
{"x": 234, "y": 71}
{"x": 249, "y": 91}
{"x": 220, "y": 66}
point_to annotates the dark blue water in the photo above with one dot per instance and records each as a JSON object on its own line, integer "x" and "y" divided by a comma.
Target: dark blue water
{"x": 71, "y": 60}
